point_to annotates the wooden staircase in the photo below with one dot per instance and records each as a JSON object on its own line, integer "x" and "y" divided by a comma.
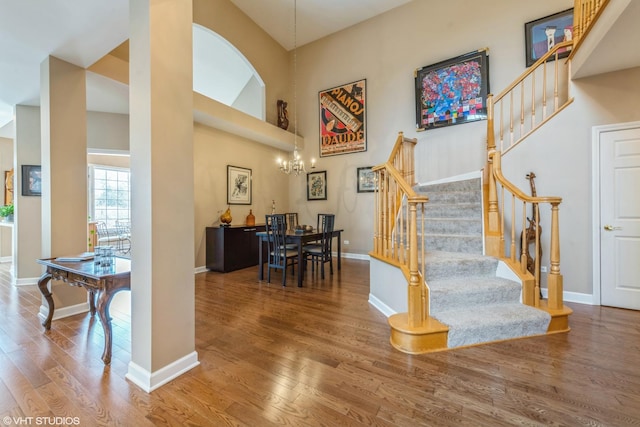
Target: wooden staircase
{"x": 532, "y": 100}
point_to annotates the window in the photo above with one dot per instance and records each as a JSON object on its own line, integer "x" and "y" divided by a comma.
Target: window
{"x": 109, "y": 195}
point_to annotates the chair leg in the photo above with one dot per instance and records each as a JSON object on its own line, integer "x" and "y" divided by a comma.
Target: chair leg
{"x": 284, "y": 274}
{"x": 331, "y": 264}
{"x": 268, "y": 274}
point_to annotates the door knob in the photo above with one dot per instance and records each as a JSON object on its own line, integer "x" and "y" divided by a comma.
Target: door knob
{"x": 611, "y": 228}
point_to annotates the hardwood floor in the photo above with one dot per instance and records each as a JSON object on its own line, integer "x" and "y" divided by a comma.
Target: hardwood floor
{"x": 317, "y": 355}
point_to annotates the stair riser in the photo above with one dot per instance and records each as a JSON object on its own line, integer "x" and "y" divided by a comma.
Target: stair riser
{"x": 453, "y": 197}
{"x": 448, "y": 210}
{"x": 443, "y": 301}
{"x": 466, "y": 185}
{"x": 453, "y": 226}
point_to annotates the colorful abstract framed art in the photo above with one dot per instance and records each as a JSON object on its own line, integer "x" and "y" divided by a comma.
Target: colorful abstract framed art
{"x": 452, "y": 92}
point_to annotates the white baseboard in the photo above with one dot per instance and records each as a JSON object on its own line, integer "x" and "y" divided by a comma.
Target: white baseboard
{"x": 25, "y": 281}
{"x": 201, "y": 269}
{"x": 576, "y": 297}
{"x": 62, "y": 312}
{"x": 380, "y": 306}
{"x": 149, "y": 381}
{"x": 364, "y": 257}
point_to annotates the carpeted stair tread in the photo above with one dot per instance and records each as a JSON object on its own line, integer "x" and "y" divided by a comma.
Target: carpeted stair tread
{"x": 464, "y": 291}
{"x": 446, "y": 265}
{"x": 470, "y": 291}
{"x": 481, "y": 324}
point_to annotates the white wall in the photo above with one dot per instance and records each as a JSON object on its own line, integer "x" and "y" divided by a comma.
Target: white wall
{"x": 387, "y": 49}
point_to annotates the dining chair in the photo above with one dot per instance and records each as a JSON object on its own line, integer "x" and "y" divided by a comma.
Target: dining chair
{"x": 321, "y": 252}
{"x": 280, "y": 257}
{"x": 292, "y": 220}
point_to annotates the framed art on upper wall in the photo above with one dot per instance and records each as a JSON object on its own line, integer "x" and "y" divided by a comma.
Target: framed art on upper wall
{"x": 453, "y": 91}
{"x": 366, "y": 180}
{"x": 317, "y": 185}
{"x": 544, "y": 33}
{"x": 31, "y": 180}
{"x": 238, "y": 185}
{"x": 343, "y": 127}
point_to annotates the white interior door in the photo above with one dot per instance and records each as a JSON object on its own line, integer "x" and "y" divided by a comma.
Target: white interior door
{"x": 620, "y": 218}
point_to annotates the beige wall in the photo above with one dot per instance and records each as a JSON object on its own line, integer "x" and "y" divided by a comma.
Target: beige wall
{"x": 268, "y": 58}
{"x": 6, "y": 163}
{"x": 213, "y": 151}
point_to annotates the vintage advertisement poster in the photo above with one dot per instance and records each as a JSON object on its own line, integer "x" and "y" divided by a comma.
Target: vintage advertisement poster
{"x": 343, "y": 127}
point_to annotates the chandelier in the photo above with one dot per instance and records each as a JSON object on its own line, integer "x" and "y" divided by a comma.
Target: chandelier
{"x": 295, "y": 165}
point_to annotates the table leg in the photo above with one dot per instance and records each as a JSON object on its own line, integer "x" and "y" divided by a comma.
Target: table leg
{"x": 92, "y": 302}
{"x": 339, "y": 251}
{"x": 260, "y": 262}
{"x": 104, "y": 300}
{"x": 300, "y": 261}
{"x": 44, "y": 290}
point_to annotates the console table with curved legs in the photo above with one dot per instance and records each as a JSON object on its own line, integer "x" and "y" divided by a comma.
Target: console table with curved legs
{"x": 100, "y": 282}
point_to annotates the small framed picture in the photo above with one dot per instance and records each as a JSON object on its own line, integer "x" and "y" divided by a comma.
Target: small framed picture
{"x": 317, "y": 185}
{"x": 544, "y": 33}
{"x": 238, "y": 185}
{"x": 31, "y": 180}
{"x": 366, "y": 180}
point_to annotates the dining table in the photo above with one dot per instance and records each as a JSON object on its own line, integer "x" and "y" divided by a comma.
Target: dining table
{"x": 299, "y": 238}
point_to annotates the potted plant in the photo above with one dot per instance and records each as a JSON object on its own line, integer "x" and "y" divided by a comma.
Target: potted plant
{"x": 6, "y": 212}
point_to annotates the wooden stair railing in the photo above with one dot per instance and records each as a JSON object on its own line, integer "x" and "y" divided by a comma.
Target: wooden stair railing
{"x": 396, "y": 231}
{"x": 533, "y": 99}
{"x": 585, "y": 13}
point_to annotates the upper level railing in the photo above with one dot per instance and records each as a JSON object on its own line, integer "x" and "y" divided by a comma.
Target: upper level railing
{"x": 585, "y": 12}
{"x": 537, "y": 95}
{"x": 396, "y": 227}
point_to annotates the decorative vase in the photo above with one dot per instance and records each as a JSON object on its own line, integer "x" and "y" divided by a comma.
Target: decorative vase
{"x": 225, "y": 218}
{"x": 251, "y": 219}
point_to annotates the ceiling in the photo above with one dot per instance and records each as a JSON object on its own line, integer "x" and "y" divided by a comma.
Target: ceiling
{"x": 83, "y": 31}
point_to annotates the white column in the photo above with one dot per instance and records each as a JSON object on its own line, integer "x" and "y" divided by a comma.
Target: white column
{"x": 161, "y": 141}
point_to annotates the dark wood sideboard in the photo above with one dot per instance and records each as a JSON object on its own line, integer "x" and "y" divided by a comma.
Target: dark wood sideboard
{"x": 232, "y": 248}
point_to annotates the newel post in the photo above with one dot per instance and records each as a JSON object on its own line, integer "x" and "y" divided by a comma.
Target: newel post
{"x": 554, "y": 282}
{"x": 493, "y": 234}
{"x": 416, "y": 309}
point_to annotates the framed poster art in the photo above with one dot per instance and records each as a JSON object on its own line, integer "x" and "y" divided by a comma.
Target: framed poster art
{"x": 238, "y": 185}
{"x": 317, "y": 185}
{"x": 544, "y": 33}
{"x": 343, "y": 127}
{"x": 31, "y": 180}
{"x": 453, "y": 91}
{"x": 366, "y": 180}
